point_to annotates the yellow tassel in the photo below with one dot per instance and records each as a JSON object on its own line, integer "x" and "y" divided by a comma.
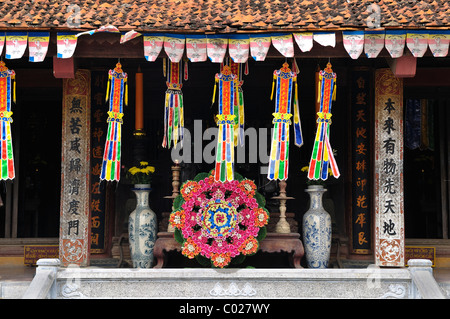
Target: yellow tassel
{"x": 318, "y": 89}
{"x": 126, "y": 92}
{"x": 273, "y": 86}
{"x": 14, "y": 90}
{"x": 334, "y": 92}
{"x": 214, "y": 92}
{"x": 164, "y": 66}
{"x": 107, "y": 88}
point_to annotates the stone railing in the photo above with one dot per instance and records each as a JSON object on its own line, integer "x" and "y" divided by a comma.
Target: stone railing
{"x": 53, "y": 281}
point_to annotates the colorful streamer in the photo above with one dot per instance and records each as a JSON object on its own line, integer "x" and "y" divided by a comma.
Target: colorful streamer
{"x": 130, "y": 35}
{"x": 7, "y": 86}
{"x": 259, "y": 46}
{"x": 238, "y": 69}
{"x": 116, "y": 93}
{"x": 353, "y": 43}
{"x": 66, "y": 42}
{"x": 173, "y": 106}
{"x": 279, "y": 153}
{"x": 304, "y": 41}
{"x": 322, "y": 155}
{"x": 417, "y": 42}
{"x": 174, "y": 46}
{"x": 226, "y": 82}
{"x": 16, "y": 44}
{"x": 395, "y": 42}
{"x": 373, "y": 43}
{"x": 153, "y": 44}
{"x": 196, "y": 48}
{"x": 284, "y": 44}
{"x": 38, "y": 45}
{"x": 238, "y": 47}
{"x": 2, "y": 41}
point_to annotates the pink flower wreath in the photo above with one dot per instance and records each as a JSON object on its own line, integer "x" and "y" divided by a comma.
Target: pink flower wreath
{"x": 218, "y": 223}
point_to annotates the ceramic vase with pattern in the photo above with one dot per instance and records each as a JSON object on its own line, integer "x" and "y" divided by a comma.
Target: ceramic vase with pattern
{"x": 316, "y": 230}
{"x": 142, "y": 229}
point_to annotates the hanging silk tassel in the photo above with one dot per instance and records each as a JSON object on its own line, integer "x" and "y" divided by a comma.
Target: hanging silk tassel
{"x": 7, "y": 84}
{"x": 236, "y": 69}
{"x": 322, "y": 155}
{"x": 186, "y": 75}
{"x": 279, "y": 152}
{"x": 116, "y": 92}
{"x": 297, "y": 123}
{"x": 224, "y": 169}
{"x": 164, "y": 67}
{"x": 173, "y": 106}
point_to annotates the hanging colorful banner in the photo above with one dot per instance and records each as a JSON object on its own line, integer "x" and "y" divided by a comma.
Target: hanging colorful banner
{"x": 353, "y": 43}
{"x": 259, "y": 46}
{"x": 130, "y": 35}
{"x": 7, "y": 97}
{"x": 238, "y": 47}
{"x": 438, "y": 42}
{"x": 38, "y": 45}
{"x": 325, "y": 38}
{"x": 2, "y": 41}
{"x": 361, "y": 192}
{"x": 66, "y": 42}
{"x": 196, "y": 48}
{"x": 153, "y": 43}
{"x": 373, "y": 43}
{"x": 116, "y": 93}
{"x": 284, "y": 44}
{"x": 388, "y": 170}
{"x": 226, "y": 84}
{"x": 286, "y": 84}
{"x": 16, "y": 43}
{"x": 238, "y": 70}
{"x": 75, "y": 175}
{"x": 395, "y": 42}
{"x": 216, "y": 47}
{"x": 108, "y": 28}
{"x": 304, "y": 41}
{"x": 173, "y": 106}
{"x": 322, "y": 154}
{"x": 98, "y": 229}
{"x": 417, "y": 42}
{"x": 174, "y": 47}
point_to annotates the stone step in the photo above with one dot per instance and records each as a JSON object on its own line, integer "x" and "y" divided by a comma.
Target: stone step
{"x": 13, "y": 289}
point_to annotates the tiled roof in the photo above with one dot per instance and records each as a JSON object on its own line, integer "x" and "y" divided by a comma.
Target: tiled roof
{"x": 221, "y": 16}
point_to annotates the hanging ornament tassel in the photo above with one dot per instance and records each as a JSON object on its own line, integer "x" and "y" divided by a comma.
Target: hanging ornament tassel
{"x": 236, "y": 69}
{"x": 297, "y": 123}
{"x": 224, "y": 169}
{"x": 173, "y": 107}
{"x": 279, "y": 152}
{"x": 186, "y": 71}
{"x": 116, "y": 92}
{"x": 322, "y": 156}
{"x": 7, "y": 84}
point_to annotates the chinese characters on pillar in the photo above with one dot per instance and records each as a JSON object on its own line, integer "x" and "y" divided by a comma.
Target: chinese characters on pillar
{"x": 361, "y": 161}
{"x": 74, "y": 219}
{"x": 389, "y": 217}
{"x": 98, "y": 137}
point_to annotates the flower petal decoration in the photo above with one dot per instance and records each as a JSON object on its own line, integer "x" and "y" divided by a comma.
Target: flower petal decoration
{"x": 219, "y": 222}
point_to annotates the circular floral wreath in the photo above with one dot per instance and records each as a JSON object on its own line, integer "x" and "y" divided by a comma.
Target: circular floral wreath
{"x": 219, "y": 223}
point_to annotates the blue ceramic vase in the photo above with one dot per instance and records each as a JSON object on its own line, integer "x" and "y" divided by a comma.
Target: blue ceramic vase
{"x": 316, "y": 230}
{"x": 142, "y": 229}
